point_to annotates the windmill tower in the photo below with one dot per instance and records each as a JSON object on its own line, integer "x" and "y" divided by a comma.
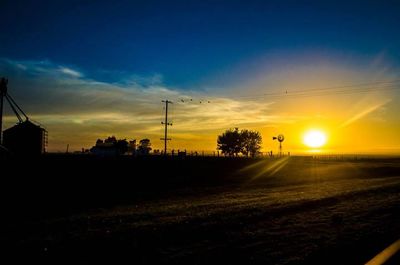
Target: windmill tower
{"x": 280, "y": 139}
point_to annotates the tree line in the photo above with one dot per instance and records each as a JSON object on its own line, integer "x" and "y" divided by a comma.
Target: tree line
{"x": 231, "y": 143}
{"x": 114, "y": 146}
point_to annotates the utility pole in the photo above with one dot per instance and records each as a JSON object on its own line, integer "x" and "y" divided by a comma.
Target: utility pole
{"x": 3, "y": 93}
{"x": 166, "y": 124}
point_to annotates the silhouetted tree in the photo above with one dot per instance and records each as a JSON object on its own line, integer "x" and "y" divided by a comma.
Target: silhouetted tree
{"x": 132, "y": 147}
{"x": 229, "y": 142}
{"x": 251, "y": 142}
{"x": 144, "y": 147}
{"x": 233, "y": 142}
{"x": 111, "y": 139}
{"x": 122, "y": 146}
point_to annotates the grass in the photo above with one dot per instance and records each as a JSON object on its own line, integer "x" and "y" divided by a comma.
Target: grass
{"x": 275, "y": 211}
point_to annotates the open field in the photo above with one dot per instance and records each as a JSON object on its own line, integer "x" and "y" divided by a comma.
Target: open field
{"x": 295, "y": 210}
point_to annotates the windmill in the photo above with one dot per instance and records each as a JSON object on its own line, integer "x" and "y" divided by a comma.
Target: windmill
{"x": 280, "y": 139}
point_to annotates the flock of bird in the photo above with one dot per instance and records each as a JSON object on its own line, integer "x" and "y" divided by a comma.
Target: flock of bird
{"x": 201, "y": 101}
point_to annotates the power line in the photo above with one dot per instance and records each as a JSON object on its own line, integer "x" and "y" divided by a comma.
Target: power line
{"x": 331, "y": 89}
{"x": 324, "y": 91}
{"x": 328, "y": 93}
{"x": 354, "y": 85}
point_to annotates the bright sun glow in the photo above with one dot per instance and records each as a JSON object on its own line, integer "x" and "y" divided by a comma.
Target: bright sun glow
{"x": 314, "y": 138}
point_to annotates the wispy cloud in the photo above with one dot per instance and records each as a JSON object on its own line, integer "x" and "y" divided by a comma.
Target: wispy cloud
{"x": 70, "y": 72}
{"x": 72, "y": 105}
{"x": 363, "y": 113}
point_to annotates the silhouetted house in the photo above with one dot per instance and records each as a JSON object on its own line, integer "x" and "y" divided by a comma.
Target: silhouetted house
{"x": 25, "y": 138}
{"x": 104, "y": 149}
{"x": 110, "y": 147}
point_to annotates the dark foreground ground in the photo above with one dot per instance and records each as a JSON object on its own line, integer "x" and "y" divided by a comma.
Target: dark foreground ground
{"x": 70, "y": 209}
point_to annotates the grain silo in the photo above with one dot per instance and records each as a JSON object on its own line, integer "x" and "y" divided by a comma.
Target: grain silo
{"x": 25, "y": 138}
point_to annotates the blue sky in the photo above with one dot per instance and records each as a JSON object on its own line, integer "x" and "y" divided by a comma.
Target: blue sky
{"x": 90, "y": 69}
{"x": 190, "y": 43}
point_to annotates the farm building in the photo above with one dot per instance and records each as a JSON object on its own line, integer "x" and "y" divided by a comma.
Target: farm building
{"x": 110, "y": 147}
{"x": 25, "y": 138}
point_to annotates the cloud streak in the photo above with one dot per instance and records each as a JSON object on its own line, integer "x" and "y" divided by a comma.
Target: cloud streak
{"x": 363, "y": 113}
{"x": 70, "y": 72}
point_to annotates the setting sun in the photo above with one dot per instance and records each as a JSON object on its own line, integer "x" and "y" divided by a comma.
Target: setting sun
{"x": 314, "y": 138}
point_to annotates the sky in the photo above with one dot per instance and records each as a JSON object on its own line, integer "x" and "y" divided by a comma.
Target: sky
{"x": 91, "y": 69}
